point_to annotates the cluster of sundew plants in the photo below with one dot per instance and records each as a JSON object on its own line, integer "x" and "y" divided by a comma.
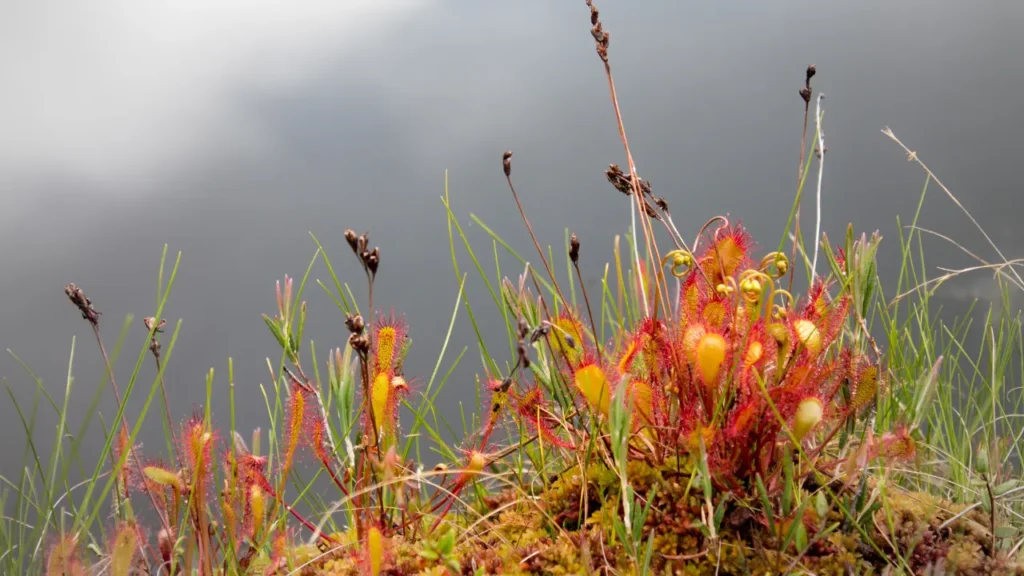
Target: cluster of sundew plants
{"x": 761, "y": 400}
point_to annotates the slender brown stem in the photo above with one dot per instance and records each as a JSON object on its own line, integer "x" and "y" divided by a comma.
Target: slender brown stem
{"x": 167, "y": 409}
{"x": 540, "y": 252}
{"x": 302, "y": 519}
{"x": 315, "y": 390}
{"x": 124, "y": 420}
{"x": 645, "y": 222}
{"x": 366, "y": 374}
{"x": 586, "y": 300}
{"x": 799, "y": 179}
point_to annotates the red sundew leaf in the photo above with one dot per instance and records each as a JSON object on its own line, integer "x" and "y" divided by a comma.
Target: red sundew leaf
{"x": 295, "y": 422}
{"x": 64, "y": 558}
{"x": 865, "y": 387}
{"x": 566, "y": 338}
{"x": 197, "y": 440}
{"x": 716, "y": 312}
{"x": 531, "y": 408}
{"x": 727, "y": 253}
{"x": 643, "y": 352}
{"x": 632, "y": 349}
{"x": 693, "y": 289}
{"x": 744, "y": 419}
{"x": 896, "y": 445}
{"x": 389, "y": 338}
{"x": 827, "y": 314}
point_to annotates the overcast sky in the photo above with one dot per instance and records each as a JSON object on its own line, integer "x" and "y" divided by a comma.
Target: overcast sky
{"x": 231, "y": 129}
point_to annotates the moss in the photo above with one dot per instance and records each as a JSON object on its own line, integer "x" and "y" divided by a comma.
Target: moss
{"x": 544, "y": 535}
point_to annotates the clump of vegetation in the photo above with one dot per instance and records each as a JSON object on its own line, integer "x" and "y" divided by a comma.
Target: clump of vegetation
{"x": 697, "y": 416}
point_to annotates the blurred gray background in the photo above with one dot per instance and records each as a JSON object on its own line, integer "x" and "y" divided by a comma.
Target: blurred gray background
{"x": 231, "y": 129}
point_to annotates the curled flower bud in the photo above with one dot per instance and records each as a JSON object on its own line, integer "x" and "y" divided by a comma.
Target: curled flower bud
{"x": 681, "y": 260}
{"x": 751, "y": 288}
{"x": 782, "y": 264}
{"x": 777, "y": 260}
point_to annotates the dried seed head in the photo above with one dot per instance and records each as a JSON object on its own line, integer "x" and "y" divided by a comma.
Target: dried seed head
{"x": 619, "y": 179}
{"x": 524, "y": 328}
{"x": 359, "y": 343}
{"x": 352, "y": 238}
{"x": 805, "y": 92}
{"x": 651, "y": 212}
{"x": 662, "y": 204}
{"x": 151, "y": 324}
{"x": 574, "y": 248}
{"x": 373, "y": 260}
{"x": 600, "y": 36}
{"x": 539, "y": 332}
{"x": 524, "y": 359}
{"x": 506, "y": 162}
{"x": 355, "y": 323}
{"x": 79, "y": 299}
{"x": 166, "y": 544}
{"x": 361, "y": 243}
{"x": 645, "y": 187}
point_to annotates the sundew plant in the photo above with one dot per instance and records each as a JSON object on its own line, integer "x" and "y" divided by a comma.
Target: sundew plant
{"x": 697, "y": 414}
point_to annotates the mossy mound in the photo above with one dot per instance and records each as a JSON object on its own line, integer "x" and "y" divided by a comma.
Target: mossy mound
{"x": 567, "y": 529}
